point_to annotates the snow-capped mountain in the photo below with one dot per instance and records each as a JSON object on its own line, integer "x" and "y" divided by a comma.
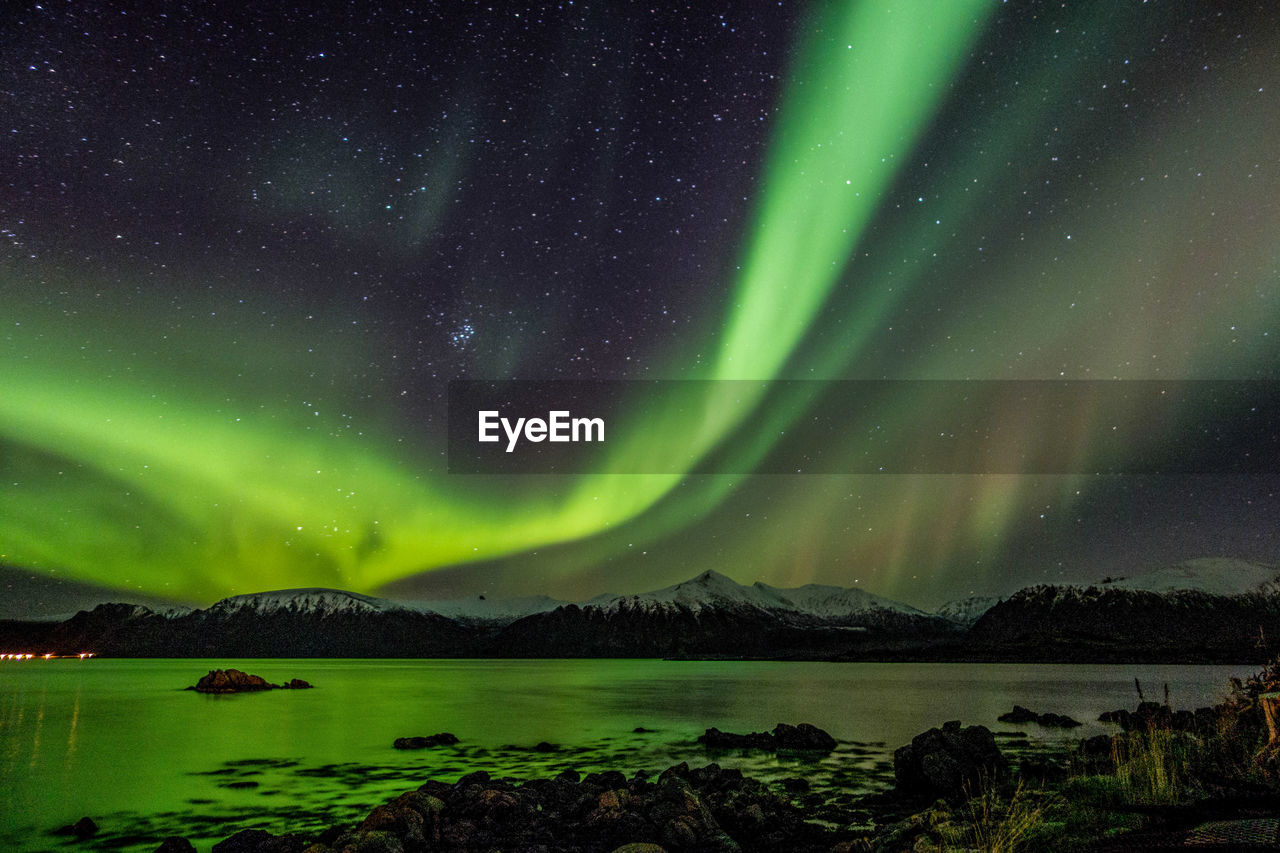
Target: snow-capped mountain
{"x": 314, "y": 600}
{"x": 966, "y": 611}
{"x": 483, "y": 610}
{"x": 834, "y": 602}
{"x": 712, "y": 614}
{"x": 714, "y": 591}
{"x": 1201, "y": 610}
{"x": 707, "y": 590}
{"x": 1215, "y": 576}
{"x": 1197, "y": 611}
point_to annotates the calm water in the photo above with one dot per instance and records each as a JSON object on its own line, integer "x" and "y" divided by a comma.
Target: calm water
{"x": 120, "y": 741}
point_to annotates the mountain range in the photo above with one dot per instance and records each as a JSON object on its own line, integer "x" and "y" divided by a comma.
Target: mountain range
{"x": 1211, "y": 609}
{"x": 1197, "y": 611}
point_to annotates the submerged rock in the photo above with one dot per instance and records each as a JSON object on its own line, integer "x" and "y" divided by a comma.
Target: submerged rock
{"x": 804, "y": 737}
{"x": 235, "y": 681}
{"x": 1154, "y": 715}
{"x": 176, "y": 844}
{"x": 948, "y": 762}
{"x": 440, "y": 739}
{"x": 1020, "y": 715}
{"x": 84, "y": 828}
{"x": 260, "y": 841}
{"x": 699, "y": 810}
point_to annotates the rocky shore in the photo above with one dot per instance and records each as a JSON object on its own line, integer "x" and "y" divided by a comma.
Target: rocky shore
{"x": 1166, "y": 777}
{"x": 683, "y": 809}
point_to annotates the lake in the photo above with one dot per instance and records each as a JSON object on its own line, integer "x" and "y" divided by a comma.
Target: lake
{"x": 120, "y": 741}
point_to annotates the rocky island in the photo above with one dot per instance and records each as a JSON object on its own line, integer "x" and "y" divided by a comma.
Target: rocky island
{"x": 236, "y": 681}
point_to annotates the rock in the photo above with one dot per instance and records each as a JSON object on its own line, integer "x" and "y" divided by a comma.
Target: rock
{"x": 706, "y": 809}
{"x": 259, "y": 841}
{"x": 1119, "y": 716}
{"x": 543, "y": 746}
{"x": 945, "y": 762}
{"x": 802, "y": 737}
{"x": 641, "y": 730}
{"x": 716, "y": 739}
{"x": 176, "y": 844}
{"x": 368, "y": 842}
{"x": 440, "y": 739}
{"x": 230, "y": 681}
{"x": 246, "y": 840}
{"x": 235, "y": 681}
{"x": 1094, "y": 754}
{"x": 479, "y": 777}
{"x": 795, "y": 784}
{"x": 1042, "y": 770}
{"x": 81, "y": 829}
{"x": 1148, "y": 715}
{"x": 413, "y": 817}
{"x": 1020, "y": 715}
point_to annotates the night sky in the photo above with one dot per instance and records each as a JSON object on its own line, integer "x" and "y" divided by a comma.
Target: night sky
{"x": 243, "y": 251}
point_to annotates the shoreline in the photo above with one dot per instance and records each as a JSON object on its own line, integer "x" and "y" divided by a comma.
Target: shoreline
{"x": 848, "y": 790}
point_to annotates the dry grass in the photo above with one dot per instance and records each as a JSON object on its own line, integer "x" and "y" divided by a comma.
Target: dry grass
{"x": 1153, "y": 766}
{"x": 996, "y": 824}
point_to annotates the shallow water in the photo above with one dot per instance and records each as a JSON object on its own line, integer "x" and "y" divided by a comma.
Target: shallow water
{"x": 119, "y": 740}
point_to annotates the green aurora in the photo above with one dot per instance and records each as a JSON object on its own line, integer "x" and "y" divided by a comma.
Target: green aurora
{"x": 226, "y": 459}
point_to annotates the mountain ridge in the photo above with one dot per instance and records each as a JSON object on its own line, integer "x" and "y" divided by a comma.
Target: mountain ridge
{"x": 1207, "y": 609}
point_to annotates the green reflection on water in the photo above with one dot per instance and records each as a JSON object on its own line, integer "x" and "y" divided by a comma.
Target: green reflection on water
{"x": 119, "y": 740}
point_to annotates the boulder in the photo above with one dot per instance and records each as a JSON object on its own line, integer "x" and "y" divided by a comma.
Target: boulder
{"x": 803, "y": 737}
{"x": 176, "y": 844}
{"x": 372, "y": 841}
{"x": 1057, "y": 721}
{"x": 1020, "y": 715}
{"x": 412, "y": 817}
{"x": 1149, "y": 715}
{"x": 81, "y": 829}
{"x": 700, "y": 810}
{"x": 1094, "y": 754}
{"x": 440, "y": 739}
{"x": 244, "y": 841}
{"x": 230, "y": 681}
{"x": 235, "y": 681}
{"x": 949, "y": 762}
{"x": 717, "y": 739}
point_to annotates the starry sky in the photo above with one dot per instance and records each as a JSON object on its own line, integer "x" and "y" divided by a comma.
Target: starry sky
{"x": 244, "y": 250}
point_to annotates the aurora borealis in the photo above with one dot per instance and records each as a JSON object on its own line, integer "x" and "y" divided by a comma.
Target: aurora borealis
{"x": 244, "y": 251}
